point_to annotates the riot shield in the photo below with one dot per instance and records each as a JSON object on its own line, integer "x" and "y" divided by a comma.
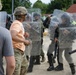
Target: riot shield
{"x": 74, "y": 19}
{"x": 3, "y": 16}
{"x": 37, "y": 10}
{"x": 34, "y": 29}
{"x": 57, "y": 12}
{"x": 28, "y": 17}
{"x": 67, "y": 32}
{"x": 53, "y": 24}
{"x": 32, "y": 24}
{"x": 34, "y": 11}
{"x": 55, "y": 20}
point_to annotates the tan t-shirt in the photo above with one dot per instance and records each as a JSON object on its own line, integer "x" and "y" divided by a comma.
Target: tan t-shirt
{"x": 17, "y": 26}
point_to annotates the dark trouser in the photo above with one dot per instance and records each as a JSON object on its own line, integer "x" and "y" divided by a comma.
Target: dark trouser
{"x": 31, "y": 63}
{"x": 50, "y": 59}
{"x": 32, "y": 60}
{"x": 37, "y": 59}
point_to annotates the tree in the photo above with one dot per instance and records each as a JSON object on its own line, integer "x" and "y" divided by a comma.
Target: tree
{"x": 0, "y": 5}
{"x": 7, "y": 4}
{"x": 54, "y": 5}
{"x": 42, "y": 6}
{"x": 59, "y": 4}
{"x": 25, "y": 3}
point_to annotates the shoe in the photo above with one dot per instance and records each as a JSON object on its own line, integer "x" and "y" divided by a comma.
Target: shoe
{"x": 29, "y": 71}
{"x": 50, "y": 68}
{"x": 72, "y": 67}
{"x": 59, "y": 68}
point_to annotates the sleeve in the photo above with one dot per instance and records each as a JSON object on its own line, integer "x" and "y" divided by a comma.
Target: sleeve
{"x": 7, "y": 46}
{"x": 15, "y": 27}
{"x": 56, "y": 32}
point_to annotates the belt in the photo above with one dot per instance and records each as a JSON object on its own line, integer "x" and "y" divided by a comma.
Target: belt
{"x": 22, "y": 52}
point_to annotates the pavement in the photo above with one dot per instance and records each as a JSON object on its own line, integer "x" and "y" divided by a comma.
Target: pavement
{"x": 42, "y": 68}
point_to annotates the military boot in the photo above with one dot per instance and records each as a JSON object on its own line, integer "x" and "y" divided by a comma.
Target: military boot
{"x": 59, "y": 67}
{"x": 37, "y": 60}
{"x": 50, "y": 61}
{"x": 72, "y": 67}
{"x": 31, "y": 63}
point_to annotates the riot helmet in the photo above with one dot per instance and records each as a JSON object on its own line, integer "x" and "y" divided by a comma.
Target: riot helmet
{"x": 28, "y": 17}
{"x": 36, "y": 16}
{"x": 65, "y": 18}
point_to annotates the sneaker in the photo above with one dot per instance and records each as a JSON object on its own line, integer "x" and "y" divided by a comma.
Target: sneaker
{"x": 59, "y": 68}
{"x": 50, "y": 68}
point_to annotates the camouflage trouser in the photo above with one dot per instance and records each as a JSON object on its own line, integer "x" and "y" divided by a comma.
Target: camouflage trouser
{"x": 21, "y": 63}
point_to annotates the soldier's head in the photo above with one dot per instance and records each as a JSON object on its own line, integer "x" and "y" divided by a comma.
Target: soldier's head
{"x": 20, "y": 13}
{"x": 28, "y": 18}
{"x": 36, "y": 16}
{"x": 65, "y": 18}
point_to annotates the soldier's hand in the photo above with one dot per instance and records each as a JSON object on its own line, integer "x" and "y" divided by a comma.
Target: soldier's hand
{"x": 26, "y": 35}
{"x": 26, "y": 42}
{"x": 56, "y": 40}
{"x": 65, "y": 32}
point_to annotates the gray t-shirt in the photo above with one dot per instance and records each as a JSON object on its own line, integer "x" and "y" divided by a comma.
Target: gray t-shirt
{"x": 6, "y": 48}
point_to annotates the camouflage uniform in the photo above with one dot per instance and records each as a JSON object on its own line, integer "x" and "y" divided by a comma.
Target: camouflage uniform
{"x": 21, "y": 63}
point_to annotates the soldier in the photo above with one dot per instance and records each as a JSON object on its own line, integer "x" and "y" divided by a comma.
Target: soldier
{"x": 65, "y": 43}
{"x": 51, "y": 49}
{"x": 36, "y": 44}
{"x": 38, "y": 19}
{"x": 19, "y": 41}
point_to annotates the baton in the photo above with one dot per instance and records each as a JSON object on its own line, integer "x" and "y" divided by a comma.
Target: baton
{"x": 56, "y": 50}
{"x": 72, "y": 51}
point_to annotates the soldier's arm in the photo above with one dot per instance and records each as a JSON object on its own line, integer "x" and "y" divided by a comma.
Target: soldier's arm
{"x": 56, "y": 35}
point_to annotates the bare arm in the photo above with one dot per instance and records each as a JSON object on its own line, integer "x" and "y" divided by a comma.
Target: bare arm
{"x": 26, "y": 35}
{"x": 10, "y": 65}
{"x": 18, "y": 39}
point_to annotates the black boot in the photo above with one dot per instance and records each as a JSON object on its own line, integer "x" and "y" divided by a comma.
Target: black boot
{"x": 37, "y": 60}
{"x": 72, "y": 67}
{"x": 50, "y": 61}
{"x": 43, "y": 58}
{"x": 59, "y": 67}
{"x": 31, "y": 63}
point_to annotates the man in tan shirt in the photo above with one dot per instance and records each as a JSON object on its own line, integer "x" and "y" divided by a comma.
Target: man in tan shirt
{"x": 19, "y": 41}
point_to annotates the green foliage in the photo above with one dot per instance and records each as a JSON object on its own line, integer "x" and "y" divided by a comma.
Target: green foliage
{"x": 45, "y": 8}
{"x": 7, "y": 4}
{"x": 42, "y": 6}
{"x": 59, "y": 4}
